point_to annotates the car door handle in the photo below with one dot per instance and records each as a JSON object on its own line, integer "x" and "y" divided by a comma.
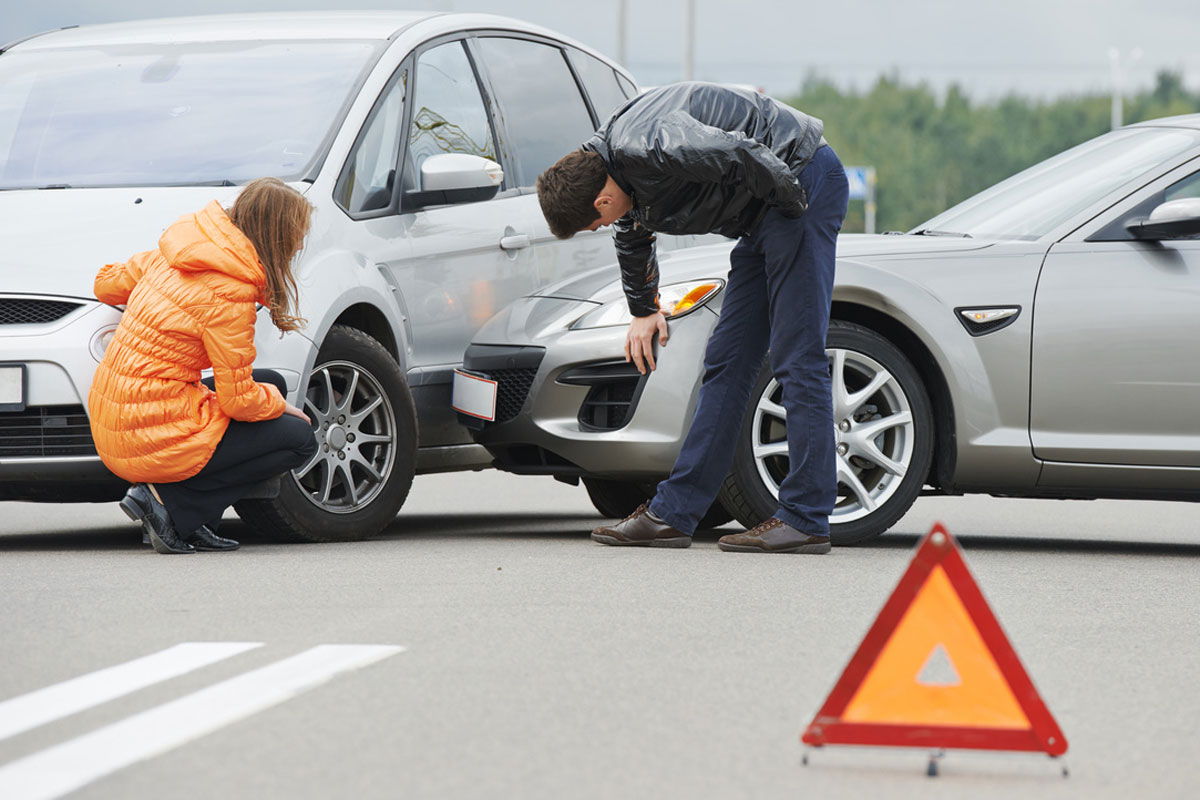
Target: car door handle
{"x": 514, "y": 242}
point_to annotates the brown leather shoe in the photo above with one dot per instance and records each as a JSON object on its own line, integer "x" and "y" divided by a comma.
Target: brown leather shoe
{"x": 774, "y": 536}
{"x": 639, "y": 530}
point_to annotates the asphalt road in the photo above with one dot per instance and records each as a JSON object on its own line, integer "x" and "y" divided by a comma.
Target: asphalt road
{"x": 536, "y": 664}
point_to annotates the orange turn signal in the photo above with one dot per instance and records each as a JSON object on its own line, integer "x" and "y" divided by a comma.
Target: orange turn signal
{"x": 693, "y": 298}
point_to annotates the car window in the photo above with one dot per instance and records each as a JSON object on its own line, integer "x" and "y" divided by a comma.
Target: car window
{"x": 366, "y": 183}
{"x": 542, "y": 109}
{"x": 178, "y": 114}
{"x": 1188, "y": 187}
{"x": 1035, "y": 201}
{"x": 1115, "y": 230}
{"x": 629, "y": 89}
{"x": 600, "y": 80}
{"x": 448, "y": 115}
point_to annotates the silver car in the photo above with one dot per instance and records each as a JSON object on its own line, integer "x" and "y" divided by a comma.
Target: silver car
{"x": 1037, "y": 340}
{"x": 417, "y": 137}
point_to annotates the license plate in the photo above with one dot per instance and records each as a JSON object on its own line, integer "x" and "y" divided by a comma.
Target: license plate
{"x": 474, "y": 395}
{"x": 12, "y": 387}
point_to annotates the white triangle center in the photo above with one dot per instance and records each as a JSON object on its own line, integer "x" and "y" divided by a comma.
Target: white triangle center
{"x": 939, "y": 669}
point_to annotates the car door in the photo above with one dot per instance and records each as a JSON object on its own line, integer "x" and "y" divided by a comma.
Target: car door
{"x": 451, "y": 267}
{"x": 541, "y": 116}
{"x": 1115, "y": 364}
{"x": 466, "y": 260}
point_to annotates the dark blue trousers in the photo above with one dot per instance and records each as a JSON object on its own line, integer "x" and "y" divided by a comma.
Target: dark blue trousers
{"x": 778, "y": 299}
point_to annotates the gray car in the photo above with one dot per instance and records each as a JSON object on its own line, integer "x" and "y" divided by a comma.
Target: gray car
{"x": 1036, "y": 340}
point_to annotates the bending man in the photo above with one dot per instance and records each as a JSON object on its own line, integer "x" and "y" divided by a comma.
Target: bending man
{"x": 696, "y": 158}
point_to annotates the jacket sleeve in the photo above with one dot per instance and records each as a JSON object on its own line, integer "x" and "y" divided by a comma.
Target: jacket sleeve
{"x": 115, "y": 282}
{"x": 704, "y": 153}
{"x": 229, "y": 340}
{"x": 639, "y": 265}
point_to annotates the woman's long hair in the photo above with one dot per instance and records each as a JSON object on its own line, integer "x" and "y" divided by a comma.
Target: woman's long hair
{"x": 275, "y": 218}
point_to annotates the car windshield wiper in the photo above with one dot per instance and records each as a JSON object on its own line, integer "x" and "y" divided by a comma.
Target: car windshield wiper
{"x": 931, "y": 232}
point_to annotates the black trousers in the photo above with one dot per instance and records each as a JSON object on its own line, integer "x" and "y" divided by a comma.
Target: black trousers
{"x": 249, "y": 453}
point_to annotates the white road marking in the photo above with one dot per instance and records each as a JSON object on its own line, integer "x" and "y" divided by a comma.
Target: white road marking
{"x": 69, "y": 697}
{"x": 66, "y": 767}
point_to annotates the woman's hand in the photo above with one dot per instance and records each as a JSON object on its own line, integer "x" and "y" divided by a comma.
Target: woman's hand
{"x": 295, "y": 412}
{"x": 639, "y": 342}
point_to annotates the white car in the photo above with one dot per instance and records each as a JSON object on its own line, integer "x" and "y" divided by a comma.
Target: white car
{"x": 417, "y": 137}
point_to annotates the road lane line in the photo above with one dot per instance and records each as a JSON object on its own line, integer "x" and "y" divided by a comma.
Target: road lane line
{"x": 20, "y": 714}
{"x": 66, "y": 767}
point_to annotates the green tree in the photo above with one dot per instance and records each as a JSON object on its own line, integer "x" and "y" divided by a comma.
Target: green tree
{"x": 930, "y": 153}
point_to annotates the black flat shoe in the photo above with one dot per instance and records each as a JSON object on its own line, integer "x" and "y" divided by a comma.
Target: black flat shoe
{"x": 139, "y": 504}
{"x": 204, "y": 539}
{"x": 134, "y": 504}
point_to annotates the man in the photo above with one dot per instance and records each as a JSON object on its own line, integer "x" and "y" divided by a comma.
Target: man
{"x": 700, "y": 158}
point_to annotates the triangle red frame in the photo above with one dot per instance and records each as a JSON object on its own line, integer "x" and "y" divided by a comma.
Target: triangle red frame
{"x": 937, "y": 548}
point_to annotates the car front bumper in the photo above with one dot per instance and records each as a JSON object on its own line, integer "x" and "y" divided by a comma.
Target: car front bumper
{"x": 585, "y": 411}
{"x": 46, "y": 448}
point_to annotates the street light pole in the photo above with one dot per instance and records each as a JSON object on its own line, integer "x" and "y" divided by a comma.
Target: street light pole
{"x": 621, "y": 52}
{"x": 1114, "y": 60}
{"x": 689, "y": 37}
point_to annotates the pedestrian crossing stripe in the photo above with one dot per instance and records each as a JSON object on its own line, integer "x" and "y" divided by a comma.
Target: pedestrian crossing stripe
{"x": 936, "y": 670}
{"x": 66, "y": 767}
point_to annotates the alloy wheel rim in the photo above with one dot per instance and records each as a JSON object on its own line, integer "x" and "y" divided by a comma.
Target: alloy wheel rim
{"x": 355, "y": 429}
{"x": 873, "y": 431}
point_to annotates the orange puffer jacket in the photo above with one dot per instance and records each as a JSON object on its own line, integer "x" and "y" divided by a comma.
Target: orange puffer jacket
{"x": 191, "y": 305}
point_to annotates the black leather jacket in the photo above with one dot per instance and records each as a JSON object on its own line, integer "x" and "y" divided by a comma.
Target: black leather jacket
{"x": 699, "y": 158}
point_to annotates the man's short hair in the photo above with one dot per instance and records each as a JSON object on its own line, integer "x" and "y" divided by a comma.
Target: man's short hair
{"x": 568, "y": 191}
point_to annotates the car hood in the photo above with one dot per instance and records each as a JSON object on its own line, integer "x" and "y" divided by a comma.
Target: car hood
{"x": 712, "y": 261}
{"x": 56, "y": 240}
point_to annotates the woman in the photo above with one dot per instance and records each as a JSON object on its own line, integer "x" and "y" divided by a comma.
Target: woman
{"x": 193, "y": 449}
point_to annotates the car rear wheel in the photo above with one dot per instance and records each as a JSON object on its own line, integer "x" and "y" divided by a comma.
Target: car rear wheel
{"x": 366, "y": 427}
{"x": 884, "y": 432}
{"x": 618, "y": 499}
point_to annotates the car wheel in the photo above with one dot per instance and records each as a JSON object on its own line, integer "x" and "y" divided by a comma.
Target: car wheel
{"x": 366, "y": 427}
{"x": 884, "y": 431}
{"x": 618, "y": 499}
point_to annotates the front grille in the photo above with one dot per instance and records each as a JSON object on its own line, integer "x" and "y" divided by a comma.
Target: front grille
{"x": 512, "y": 367}
{"x": 27, "y": 311}
{"x": 511, "y": 390}
{"x": 41, "y": 431}
{"x": 615, "y": 389}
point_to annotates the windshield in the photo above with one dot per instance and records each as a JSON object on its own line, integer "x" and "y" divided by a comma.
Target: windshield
{"x": 181, "y": 114}
{"x": 1034, "y": 202}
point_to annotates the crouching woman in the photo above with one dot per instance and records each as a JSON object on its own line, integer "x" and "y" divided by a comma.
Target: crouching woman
{"x": 193, "y": 448}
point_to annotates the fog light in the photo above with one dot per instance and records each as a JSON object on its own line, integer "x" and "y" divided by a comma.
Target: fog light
{"x": 101, "y": 340}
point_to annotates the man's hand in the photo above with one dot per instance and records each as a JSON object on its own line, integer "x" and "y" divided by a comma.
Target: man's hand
{"x": 639, "y": 342}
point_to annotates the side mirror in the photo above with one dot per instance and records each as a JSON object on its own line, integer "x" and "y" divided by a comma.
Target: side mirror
{"x": 1174, "y": 219}
{"x": 455, "y": 178}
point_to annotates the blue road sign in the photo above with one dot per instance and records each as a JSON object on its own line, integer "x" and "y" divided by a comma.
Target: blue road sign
{"x": 859, "y": 186}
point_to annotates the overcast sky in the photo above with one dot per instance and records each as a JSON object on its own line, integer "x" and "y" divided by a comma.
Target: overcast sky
{"x": 1037, "y": 48}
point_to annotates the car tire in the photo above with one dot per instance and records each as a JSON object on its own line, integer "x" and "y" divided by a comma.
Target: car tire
{"x": 618, "y": 499}
{"x": 366, "y": 427}
{"x": 878, "y": 478}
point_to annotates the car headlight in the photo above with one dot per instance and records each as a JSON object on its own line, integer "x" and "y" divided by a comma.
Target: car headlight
{"x": 677, "y": 299}
{"x": 101, "y": 340}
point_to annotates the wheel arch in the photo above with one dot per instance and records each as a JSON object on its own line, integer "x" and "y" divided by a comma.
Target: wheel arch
{"x": 369, "y": 319}
{"x": 941, "y": 470}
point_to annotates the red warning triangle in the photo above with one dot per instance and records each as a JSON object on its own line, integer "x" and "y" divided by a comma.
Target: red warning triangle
{"x": 936, "y": 670}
